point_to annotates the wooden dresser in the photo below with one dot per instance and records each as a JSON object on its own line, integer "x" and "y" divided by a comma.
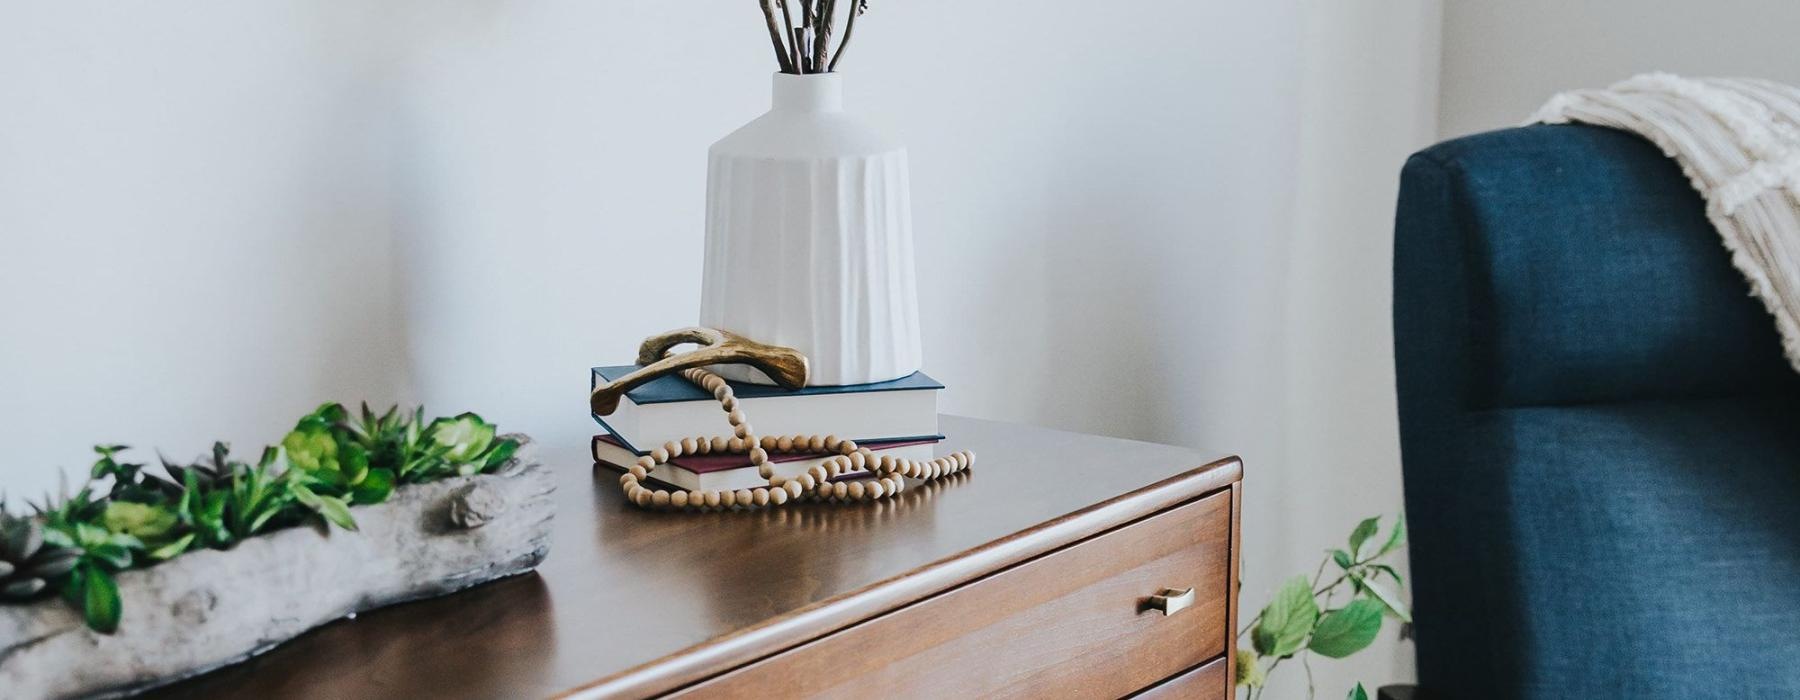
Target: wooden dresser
{"x": 1045, "y": 572}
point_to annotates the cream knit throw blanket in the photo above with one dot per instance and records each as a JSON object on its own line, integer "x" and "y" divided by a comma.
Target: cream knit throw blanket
{"x": 1738, "y": 141}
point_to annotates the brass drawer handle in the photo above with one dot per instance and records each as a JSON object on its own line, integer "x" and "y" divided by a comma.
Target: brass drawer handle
{"x": 1171, "y": 601}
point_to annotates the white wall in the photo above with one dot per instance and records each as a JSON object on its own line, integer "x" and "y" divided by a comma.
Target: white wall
{"x": 1174, "y": 230}
{"x": 1504, "y": 59}
{"x": 194, "y": 217}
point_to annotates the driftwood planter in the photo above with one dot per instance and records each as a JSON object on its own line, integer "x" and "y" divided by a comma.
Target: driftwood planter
{"x": 210, "y": 608}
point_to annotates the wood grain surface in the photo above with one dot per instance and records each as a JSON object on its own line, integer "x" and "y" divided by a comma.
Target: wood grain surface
{"x": 1070, "y": 624}
{"x": 634, "y": 603}
{"x": 1211, "y": 681}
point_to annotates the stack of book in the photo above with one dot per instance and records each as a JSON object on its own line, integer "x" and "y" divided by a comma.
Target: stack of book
{"x": 896, "y": 418}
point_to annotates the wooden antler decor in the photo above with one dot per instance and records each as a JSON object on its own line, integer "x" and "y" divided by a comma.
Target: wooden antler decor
{"x": 784, "y": 365}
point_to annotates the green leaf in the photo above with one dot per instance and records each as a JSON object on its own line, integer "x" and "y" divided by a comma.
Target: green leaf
{"x": 113, "y": 555}
{"x": 172, "y": 549}
{"x": 354, "y": 463}
{"x": 1357, "y": 693}
{"x": 374, "y": 488}
{"x": 1396, "y": 538}
{"x": 261, "y": 520}
{"x": 1383, "y": 568}
{"x": 100, "y": 600}
{"x": 1386, "y": 597}
{"x": 304, "y": 495}
{"x": 503, "y": 450}
{"x": 1347, "y": 630}
{"x": 335, "y": 510}
{"x": 1284, "y": 624}
{"x": 1364, "y": 530}
{"x": 56, "y": 537}
{"x": 1342, "y": 558}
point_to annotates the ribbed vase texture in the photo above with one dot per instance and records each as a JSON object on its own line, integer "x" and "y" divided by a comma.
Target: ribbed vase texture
{"x": 809, "y": 239}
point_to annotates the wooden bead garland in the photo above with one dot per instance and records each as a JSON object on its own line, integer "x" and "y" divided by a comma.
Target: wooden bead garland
{"x": 888, "y": 480}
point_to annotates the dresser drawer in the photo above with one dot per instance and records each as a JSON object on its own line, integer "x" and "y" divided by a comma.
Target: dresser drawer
{"x": 1072, "y": 623}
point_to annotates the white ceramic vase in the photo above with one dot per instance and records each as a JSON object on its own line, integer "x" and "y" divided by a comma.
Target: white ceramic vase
{"x": 809, "y": 239}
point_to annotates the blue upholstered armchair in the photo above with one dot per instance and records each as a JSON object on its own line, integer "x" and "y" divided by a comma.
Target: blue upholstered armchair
{"x": 1601, "y": 439}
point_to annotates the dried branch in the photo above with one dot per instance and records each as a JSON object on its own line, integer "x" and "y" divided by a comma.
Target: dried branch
{"x": 787, "y": 16}
{"x": 849, "y": 29}
{"x": 803, "y": 49}
{"x": 822, "y": 39}
{"x": 781, "y": 49}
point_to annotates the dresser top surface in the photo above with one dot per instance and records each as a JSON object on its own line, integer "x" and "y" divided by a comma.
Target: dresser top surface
{"x": 623, "y": 588}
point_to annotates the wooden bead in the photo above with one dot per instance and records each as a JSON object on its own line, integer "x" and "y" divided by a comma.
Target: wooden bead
{"x": 857, "y": 461}
{"x": 793, "y": 488}
{"x": 816, "y": 443}
{"x": 672, "y": 449}
{"x": 735, "y": 417}
{"x": 721, "y": 443}
{"x": 778, "y": 496}
{"x": 847, "y": 446}
{"x": 712, "y": 499}
{"x": 876, "y": 490}
{"x": 819, "y": 472}
{"x": 646, "y": 462}
{"x": 736, "y": 444}
{"x": 679, "y": 499}
{"x": 742, "y": 430}
{"x": 689, "y": 446}
{"x": 784, "y": 444}
{"x": 743, "y": 497}
{"x": 636, "y": 471}
{"x": 769, "y": 442}
{"x": 660, "y": 455}
{"x": 760, "y": 497}
{"x": 659, "y": 499}
{"x": 759, "y": 456}
{"x": 729, "y": 404}
{"x": 899, "y": 485}
{"x": 767, "y": 472}
{"x": 727, "y": 499}
{"x": 839, "y": 490}
{"x": 832, "y": 442}
{"x": 884, "y": 463}
{"x": 854, "y": 490}
{"x": 805, "y": 481}
{"x": 641, "y": 497}
{"x": 696, "y": 499}
{"x": 721, "y": 392}
{"x": 627, "y": 480}
{"x": 702, "y": 446}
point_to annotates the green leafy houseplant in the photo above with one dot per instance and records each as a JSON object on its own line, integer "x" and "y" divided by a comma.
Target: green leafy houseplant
{"x": 329, "y": 462}
{"x": 1301, "y": 620}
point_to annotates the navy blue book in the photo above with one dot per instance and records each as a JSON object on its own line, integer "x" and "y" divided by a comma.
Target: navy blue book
{"x": 671, "y": 408}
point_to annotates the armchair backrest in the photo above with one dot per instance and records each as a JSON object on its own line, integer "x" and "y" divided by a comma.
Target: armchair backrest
{"x": 1544, "y": 266}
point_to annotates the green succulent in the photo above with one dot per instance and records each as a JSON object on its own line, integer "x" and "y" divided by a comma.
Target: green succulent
{"x": 90, "y": 583}
{"x": 469, "y": 445}
{"x": 129, "y": 480}
{"x": 28, "y": 566}
{"x": 332, "y": 465}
